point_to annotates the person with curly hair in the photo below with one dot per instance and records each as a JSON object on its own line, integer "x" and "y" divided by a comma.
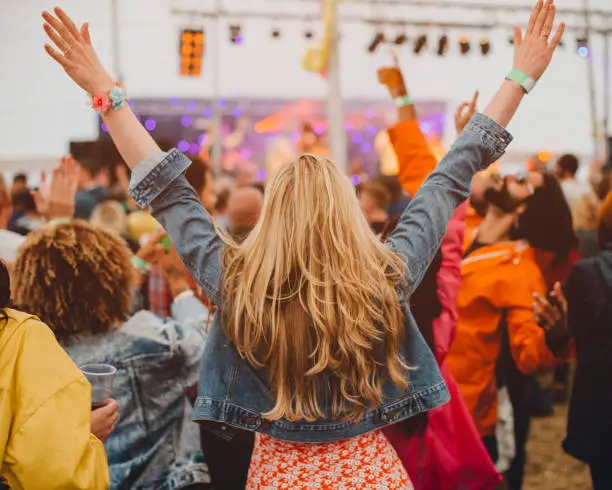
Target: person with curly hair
{"x": 79, "y": 279}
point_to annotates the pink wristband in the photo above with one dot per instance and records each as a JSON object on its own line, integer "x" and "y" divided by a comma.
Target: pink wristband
{"x": 115, "y": 99}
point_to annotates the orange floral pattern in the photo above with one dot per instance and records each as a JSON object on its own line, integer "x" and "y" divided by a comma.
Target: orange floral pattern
{"x": 367, "y": 461}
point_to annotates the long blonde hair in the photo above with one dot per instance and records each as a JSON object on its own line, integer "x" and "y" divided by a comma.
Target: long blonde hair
{"x": 311, "y": 297}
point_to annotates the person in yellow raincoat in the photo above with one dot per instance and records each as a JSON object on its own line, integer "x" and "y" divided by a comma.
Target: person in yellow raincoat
{"x": 45, "y": 410}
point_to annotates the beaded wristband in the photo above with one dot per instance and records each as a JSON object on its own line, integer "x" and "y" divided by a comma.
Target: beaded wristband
{"x": 115, "y": 99}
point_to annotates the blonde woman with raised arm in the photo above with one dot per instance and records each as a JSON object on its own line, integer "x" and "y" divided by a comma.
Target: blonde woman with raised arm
{"x": 313, "y": 346}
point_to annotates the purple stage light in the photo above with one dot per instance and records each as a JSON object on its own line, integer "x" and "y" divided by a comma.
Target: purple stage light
{"x": 183, "y": 146}
{"x": 150, "y": 124}
{"x": 371, "y": 130}
{"x": 186, "y": 121}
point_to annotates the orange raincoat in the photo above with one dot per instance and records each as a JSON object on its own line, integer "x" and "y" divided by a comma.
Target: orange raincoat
{"x": 497, "y": 284}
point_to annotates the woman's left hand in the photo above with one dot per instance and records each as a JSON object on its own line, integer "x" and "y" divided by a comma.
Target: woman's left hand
{"x": 76, "y": 53}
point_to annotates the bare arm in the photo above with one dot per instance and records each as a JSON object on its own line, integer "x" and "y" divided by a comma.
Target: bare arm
{"x": 78, "y": 58}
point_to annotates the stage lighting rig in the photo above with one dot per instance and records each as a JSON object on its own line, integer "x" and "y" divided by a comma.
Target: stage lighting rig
{"x": 379, "y": 38}
{"x": 420, "y": 43}
{"x": 485, "y": 46}
{"x": 442, "y": 45}
{"x": 191, "y": 52}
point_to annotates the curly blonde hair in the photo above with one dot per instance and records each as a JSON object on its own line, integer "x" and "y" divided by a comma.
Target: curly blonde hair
{"x": 77, "y": 278}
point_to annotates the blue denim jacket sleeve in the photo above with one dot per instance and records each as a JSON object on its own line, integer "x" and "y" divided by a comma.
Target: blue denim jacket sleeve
{"x": 158, "y": 182}
{"x": 191, "y": 317}
{"x": 422, "y": 226}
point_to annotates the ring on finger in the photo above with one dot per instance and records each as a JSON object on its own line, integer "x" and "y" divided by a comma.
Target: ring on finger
{"x": 545, "y": 37}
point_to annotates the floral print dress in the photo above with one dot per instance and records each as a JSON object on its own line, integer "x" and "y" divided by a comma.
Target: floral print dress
{"x": 367, "y": 461}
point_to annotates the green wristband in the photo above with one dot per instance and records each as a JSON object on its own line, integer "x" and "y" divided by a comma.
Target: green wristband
{"x": 522, "y": 79}
{"x": 141, "y": 264}
{"x": 403, "y": 101}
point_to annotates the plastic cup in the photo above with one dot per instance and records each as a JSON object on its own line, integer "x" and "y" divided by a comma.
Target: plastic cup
{"x": 101, "y": 377}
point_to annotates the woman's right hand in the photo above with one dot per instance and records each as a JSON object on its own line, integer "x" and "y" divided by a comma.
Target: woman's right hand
{"x": 103, "y": 420}
{"x": 76, "y": 53}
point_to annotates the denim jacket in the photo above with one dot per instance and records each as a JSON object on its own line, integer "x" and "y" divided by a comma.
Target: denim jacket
{"x": 155, "y": 444}
{"x": 234, "y": 392}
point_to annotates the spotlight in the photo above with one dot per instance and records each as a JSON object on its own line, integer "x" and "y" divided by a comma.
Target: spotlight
{"x": 192, "y": 51}
{"x": 442, "y": 45}
{"x": 379, "y": 38}
{"x": 420, "y": 43}
{"x": 308, "y": 34}
{"x": 485, "y": 46}
{"x": 275, "y": 33}
{"x": 582, "y": 44}
{"x": 400, "y": 39}
{"x": 236, "y": 34}
{"x": 464, "y": 45}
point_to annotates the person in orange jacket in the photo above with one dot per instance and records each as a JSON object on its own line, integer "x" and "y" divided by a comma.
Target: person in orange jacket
{"x": 499, "y": 277}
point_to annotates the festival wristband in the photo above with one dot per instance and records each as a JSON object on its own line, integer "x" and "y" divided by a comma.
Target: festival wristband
{"x": 522, "y": 79}
{"x": 403, "y": 101}
{"x": 140, "y": 264}
{"x": 115, "y": 99}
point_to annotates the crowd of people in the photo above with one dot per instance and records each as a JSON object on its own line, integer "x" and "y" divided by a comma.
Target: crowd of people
{"x": 305, "y": 332}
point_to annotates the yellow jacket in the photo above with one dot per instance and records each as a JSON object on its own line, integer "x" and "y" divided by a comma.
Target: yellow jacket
{"x": 45, "y": 412}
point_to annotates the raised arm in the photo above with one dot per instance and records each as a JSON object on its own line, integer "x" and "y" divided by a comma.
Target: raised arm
{"x": 415, "y": 159}
{"x": 423, "y": 224}
{"x": 157, "y": 179}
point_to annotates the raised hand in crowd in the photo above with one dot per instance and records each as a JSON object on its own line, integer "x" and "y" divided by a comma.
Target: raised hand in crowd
{"x": 533, "y": 52}
{"x": 392, "y": 78}
{"x": 103, "y": 420}
{"x": 465, "y": 112}
{"x": 55, "y": 200}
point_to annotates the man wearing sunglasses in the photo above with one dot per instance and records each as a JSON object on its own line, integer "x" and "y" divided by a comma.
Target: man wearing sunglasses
{"x": 525, "y": 229}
